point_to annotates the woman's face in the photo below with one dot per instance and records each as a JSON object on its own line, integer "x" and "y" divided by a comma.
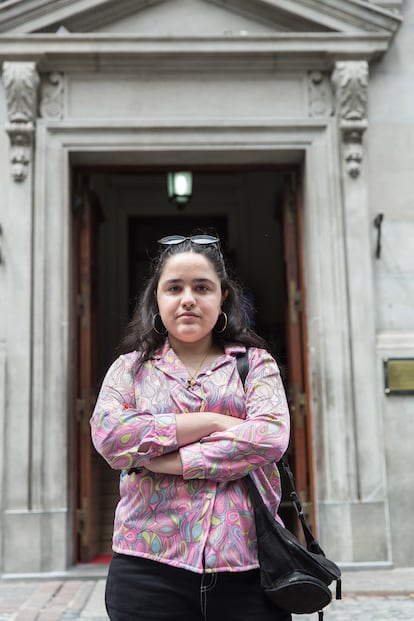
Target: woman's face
{"x": 189, "y": 297}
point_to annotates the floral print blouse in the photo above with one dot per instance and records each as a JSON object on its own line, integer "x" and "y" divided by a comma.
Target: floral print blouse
{"x": 202, "y": 521}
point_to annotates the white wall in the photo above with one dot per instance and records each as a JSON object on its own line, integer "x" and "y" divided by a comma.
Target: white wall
{"x": 4, "y": 179}
{"x": 390, "y": 144}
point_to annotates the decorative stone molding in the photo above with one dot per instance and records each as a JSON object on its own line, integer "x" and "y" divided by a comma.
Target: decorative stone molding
{"x": 320, "y": 102}
{"x": 21, "y": 82}
{"x": 51, "y": 96}
{"x": 350, "y": 80}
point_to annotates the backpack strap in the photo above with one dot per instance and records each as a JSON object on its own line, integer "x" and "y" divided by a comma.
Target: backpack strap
{"x": 311, "y": 543}
{"x": 242, "y": 360}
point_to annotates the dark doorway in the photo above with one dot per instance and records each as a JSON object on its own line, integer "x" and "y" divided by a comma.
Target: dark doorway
{"x": 257, "y": 215}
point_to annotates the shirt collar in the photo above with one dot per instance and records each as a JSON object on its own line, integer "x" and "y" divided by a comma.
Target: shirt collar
{"x": 165, "y": 351}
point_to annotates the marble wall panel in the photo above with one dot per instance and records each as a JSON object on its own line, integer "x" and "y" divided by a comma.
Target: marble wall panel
{"x": 186, "y": 96}
{"x": 397, "y": 421}
{"x": 395, "y": 276}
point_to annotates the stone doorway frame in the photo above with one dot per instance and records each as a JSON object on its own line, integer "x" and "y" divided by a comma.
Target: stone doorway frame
{"x": 338, "y": 247}
{"x": 345, "y": 492}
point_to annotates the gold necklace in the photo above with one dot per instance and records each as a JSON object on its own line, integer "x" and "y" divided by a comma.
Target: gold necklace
{"x": 192, "y": 379}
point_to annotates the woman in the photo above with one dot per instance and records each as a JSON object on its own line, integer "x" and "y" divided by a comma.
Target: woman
{"x": 173, "y": 416}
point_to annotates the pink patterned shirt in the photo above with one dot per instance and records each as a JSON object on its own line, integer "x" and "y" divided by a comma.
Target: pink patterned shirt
{"x": 202, "y": 520}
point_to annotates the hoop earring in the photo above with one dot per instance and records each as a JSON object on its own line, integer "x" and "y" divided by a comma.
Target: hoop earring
{"x": 154, "y": 327}
{"x": 224, "y": 326}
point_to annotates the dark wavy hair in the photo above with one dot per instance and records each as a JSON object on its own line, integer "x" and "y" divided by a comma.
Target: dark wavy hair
{"x": 140, "y": 334}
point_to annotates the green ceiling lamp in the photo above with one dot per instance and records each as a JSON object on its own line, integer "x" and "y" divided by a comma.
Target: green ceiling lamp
{"x": 180, "y": 188}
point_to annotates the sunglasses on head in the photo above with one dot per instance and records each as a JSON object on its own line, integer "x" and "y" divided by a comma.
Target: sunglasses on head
{"x": 171, "y": 240}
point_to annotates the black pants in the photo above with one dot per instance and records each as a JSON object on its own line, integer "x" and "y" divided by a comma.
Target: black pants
{"x": 142, "y": 590}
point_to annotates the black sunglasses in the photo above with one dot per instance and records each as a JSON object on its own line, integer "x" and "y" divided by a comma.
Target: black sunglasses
{"x": 171, "y": 240}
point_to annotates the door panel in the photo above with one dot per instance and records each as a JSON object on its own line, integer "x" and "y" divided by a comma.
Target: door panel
{"x": 88, "y": 217}
{"x": 300, "y": 449}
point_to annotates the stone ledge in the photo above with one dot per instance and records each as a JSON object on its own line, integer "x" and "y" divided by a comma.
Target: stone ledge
{"x": 395, "y": 340}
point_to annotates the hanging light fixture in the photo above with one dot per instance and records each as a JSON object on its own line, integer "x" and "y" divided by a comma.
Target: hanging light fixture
{"x": 180, "y": 187}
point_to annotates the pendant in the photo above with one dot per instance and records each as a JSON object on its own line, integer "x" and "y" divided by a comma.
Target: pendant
{"x": 190, "y": 382}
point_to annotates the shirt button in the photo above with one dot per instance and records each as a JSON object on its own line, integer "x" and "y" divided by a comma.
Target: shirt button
{"x": 209, "y": 372}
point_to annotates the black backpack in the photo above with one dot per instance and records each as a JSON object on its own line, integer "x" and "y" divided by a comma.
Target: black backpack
{"x": 294, "y": 577}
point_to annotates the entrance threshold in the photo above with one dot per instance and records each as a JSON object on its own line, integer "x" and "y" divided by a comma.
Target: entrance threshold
{"x": 82, "y": 571}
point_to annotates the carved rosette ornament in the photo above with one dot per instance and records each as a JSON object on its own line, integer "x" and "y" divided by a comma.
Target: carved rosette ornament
{"x": 319, "y": 94}
{"x": 51, "y": 96}
{"x": 350, "y": 80}
{"x": 21, "y": 82}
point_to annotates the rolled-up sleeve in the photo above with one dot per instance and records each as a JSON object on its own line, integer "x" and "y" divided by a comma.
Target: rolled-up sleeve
{"x": 260, "y": 439}
{"x": 125, "y": 437}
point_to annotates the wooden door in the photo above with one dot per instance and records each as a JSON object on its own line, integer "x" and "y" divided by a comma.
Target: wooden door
{"x": 87, "y": 217}
{"x": 296, "y": 346}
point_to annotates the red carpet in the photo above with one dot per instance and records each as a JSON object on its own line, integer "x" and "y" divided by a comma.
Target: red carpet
{"x": 103, "y": 559}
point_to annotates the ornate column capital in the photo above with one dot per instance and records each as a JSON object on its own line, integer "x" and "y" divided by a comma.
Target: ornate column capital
{"x": 350, "y": 80}
{"x": 21, "y": 82}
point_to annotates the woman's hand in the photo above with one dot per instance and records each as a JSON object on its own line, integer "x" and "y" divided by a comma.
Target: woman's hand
{"x": 225, "y": 421}
{"x": 166, "y": 464}
{"x": 190, "y": 428}
{"x": 194, "y": 426}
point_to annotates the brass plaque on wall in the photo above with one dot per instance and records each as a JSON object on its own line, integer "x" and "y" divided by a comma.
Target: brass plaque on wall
{"x": 399, "y": 376}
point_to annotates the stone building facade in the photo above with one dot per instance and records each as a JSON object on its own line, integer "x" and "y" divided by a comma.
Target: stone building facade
{"x": 285, "y": 111}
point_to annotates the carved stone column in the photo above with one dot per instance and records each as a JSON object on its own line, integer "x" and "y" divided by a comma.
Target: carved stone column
{"x": 21, "y": 82}
{"x": 350, "y": 80}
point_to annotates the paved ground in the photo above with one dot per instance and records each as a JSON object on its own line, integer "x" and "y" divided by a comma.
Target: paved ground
{"x": 369, "y": 595}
